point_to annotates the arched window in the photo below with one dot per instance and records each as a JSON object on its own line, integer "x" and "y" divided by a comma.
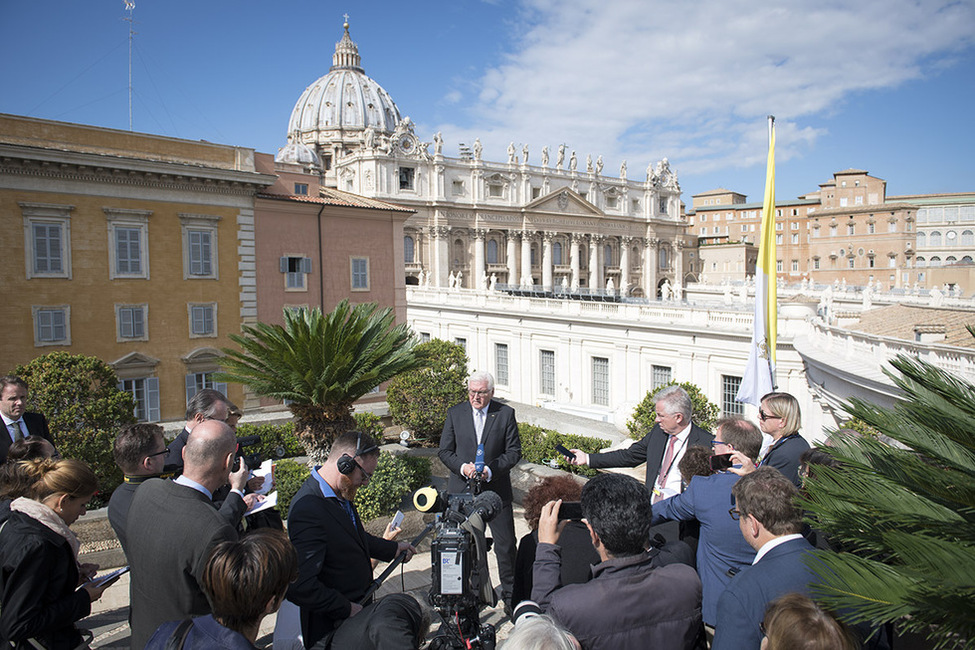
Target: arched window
{"x": 492, "y": 251}
{"x": 920, "y": 262}
{"x": 534, "y": 253}
{"x": 935, "y": 261}
{"x": 557, "y": 253}
{"x": 951, "y": 259}
{"x": 607, "y": 255}
{"x": 967, "y": 259}
{"x": 663, "y": 255}
{"x": 408, "y": 248}
{"x": 922, "y": 239}
{"x": 635, "y": 257}
{"x": 934, "y": 239}
{"x": 967, "y": 238}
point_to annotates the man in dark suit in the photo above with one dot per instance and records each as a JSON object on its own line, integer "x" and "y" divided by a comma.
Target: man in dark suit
{"x": 17, "y": 423}
{"x": 172, "y": 527}
{"x": 140, "y": 453}
{"x": 662, "y": 448}
{"x": 334, "y": 551}
{"x": 480, "y": 441}
{"x": 771, "y": 523}
{"x": 721, "y": 548}
{"x": 206, "y": 404}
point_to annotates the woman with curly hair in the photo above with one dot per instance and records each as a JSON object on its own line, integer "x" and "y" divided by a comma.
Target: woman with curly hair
{"x": 577, "y": 550}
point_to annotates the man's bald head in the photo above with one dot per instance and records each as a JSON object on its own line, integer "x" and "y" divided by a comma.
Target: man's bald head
{"x": 207, "y": 449}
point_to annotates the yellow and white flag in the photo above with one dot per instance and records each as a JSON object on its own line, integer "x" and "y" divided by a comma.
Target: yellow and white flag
{"x": 759, "y": 376}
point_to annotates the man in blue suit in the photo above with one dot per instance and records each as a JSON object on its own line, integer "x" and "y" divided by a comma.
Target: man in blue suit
{"x": 721, "y": 549}
{"x": 770, "y": 522}
{"x": 480, "y": 440}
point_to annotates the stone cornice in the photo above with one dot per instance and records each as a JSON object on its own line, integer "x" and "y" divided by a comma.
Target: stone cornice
{"x": 95, "y": 168}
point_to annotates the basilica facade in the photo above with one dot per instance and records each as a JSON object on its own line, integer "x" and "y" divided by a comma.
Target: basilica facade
{"x": 536, "y": 220}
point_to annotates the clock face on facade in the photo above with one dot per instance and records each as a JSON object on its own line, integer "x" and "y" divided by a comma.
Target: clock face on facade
{"x": 406, "y": 144}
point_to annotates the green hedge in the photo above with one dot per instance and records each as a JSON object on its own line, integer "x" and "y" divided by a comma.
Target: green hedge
{"x": 277, "y": 440}
{"x": 538, "y": 445}
{"x": 395, "y": 477}
{"x": 370, "y": 423}
{"x": 288, "y": 477}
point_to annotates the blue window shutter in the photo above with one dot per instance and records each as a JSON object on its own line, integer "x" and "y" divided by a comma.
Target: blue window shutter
{"x": 283, "y": 264}
{"x": 152, "y": 399}
{"x": 220, "y": 386}
{"x": 306, "y": 265}
{"x": 190, "y": 386}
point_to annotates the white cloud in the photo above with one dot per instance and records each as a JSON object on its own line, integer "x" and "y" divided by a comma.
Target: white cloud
{"x": 694, "y": 80}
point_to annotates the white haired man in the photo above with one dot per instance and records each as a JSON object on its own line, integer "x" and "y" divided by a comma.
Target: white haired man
{"x": 480, "y": 440}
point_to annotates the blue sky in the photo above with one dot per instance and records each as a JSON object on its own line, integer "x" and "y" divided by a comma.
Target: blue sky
{"x": 885, "y": 85}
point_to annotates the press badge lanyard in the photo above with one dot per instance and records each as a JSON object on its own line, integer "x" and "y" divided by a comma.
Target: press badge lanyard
{"x": 657, "y": 488}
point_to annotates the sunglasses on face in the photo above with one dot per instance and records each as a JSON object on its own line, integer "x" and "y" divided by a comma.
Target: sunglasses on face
{"x": 763, "y": 416}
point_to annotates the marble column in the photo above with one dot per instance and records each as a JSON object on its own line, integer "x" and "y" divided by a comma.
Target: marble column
{"x": 678, "y": 253}
{"x": 625, "y": 243}
{"x": 478, "y": 270}
{"x": 547, "y": 238}
{"x": 511, "y": 257}
{"x": 526, "y": 258}
{"x": 650, "y": 265}
{"x": 576, "y": 240}
{"x": 595, "y": 268}
{"x": 440, "y": 250}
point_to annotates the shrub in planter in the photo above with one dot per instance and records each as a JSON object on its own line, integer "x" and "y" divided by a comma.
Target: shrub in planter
{"x": 704, "y": 412}
{"x": 538, "y": 445}
{"x": 277, "y": 440}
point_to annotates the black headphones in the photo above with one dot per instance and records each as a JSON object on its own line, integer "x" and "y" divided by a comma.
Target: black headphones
{"x": 347, "y": 464}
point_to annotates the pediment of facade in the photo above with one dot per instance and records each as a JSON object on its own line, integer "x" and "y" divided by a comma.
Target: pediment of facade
{"x": 563, "y": 201}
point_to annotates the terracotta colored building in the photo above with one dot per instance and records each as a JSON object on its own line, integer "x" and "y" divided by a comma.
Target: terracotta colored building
{"x": 847, "y": 230}
{"x": 317, "y": 245}
{"x": 134, "y": 248}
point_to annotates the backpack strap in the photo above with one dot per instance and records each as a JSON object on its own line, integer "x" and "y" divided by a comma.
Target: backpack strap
{"x": 178, "y": 637}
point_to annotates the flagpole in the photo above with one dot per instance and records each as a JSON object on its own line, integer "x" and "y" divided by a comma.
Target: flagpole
{"x": 771, "y": 366}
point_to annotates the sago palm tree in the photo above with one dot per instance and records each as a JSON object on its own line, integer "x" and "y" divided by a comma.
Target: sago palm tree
{"x": 320, "y": 364}
{"x": 905, "y": 512}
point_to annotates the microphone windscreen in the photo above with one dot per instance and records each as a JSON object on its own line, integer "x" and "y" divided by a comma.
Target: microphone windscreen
{"x": 425, "y": 499}
{"x": 487, "y": 504}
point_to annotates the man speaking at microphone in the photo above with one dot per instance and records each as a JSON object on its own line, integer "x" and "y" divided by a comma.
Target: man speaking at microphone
{"x": 480, "y": 441}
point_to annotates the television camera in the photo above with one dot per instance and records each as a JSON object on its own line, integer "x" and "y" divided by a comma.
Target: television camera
{"x": 461, "y": 582}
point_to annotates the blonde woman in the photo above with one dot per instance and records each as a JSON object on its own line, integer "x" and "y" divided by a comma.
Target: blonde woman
{"x": 39, "y": 571}
{"x": 779, "y": 417}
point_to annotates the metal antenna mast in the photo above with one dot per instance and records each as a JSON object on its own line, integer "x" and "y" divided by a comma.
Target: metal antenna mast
{"x": 129, "y": 6}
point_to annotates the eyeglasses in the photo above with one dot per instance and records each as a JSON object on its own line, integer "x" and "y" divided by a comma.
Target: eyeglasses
{"x": 715, "y": 443}
{"x": 762, "y": 415}
{"x": 164, "y": 452}
{"x": 368, "y": 475}
{"x": 478, "y": 393}
{"x": 735, "y": 513}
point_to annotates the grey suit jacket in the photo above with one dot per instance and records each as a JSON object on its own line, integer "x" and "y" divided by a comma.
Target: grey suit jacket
{"x": 171, "y": 530}
{"x": 502, "y": 445}
{"x": 649, "y": 450}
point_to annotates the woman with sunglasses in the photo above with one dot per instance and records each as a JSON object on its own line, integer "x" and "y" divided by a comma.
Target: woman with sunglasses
{"x": 779, "y": 417}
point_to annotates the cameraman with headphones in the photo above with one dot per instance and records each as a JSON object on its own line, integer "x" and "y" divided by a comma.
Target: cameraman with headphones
{"x": 334, "y": 551}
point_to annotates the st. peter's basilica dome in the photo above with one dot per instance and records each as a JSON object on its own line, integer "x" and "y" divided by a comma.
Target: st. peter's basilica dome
{"x": 343, "y": 103}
